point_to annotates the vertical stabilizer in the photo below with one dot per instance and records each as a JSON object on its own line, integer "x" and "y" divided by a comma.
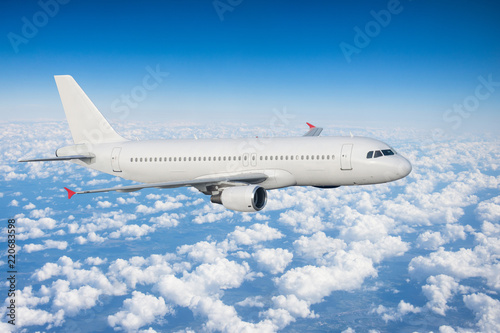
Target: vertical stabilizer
{"x": 86, "y": 123}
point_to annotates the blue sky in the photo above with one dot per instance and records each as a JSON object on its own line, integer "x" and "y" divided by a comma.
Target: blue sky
{"x": 262, "y": 55}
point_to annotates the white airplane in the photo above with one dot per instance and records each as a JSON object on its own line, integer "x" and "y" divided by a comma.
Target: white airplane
{"x": 234, "y": 172}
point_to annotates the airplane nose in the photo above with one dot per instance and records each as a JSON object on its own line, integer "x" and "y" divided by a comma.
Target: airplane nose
{"x": 404, "y": 167}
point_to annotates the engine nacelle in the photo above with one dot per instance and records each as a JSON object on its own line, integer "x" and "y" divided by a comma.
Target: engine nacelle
{"x": 250, "y": 198}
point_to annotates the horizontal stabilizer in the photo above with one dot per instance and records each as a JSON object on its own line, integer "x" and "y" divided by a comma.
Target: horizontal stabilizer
{"x": 59, "y": 158}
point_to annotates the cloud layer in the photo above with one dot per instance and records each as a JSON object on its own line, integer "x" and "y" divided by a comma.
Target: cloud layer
{"x": 422, "y": 248}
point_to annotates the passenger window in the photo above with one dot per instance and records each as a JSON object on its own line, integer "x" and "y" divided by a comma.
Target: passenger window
{"x": 286, "y": 157}
{"x": 307, "y": 157}
{"x": 281, "y": 157}
{"x": 224, "y": 158}
{"x": 131, "y": 159}
{"x": 302, "y": 157}
{"x": 253, "y": 158}
{"x": 271, "y": 158}
{"x": 141, "y": 159}
{"x": 378, "y": 153}
{"x": 261, "y": 158}
{"x": 169, "y": 159}
{"x": 291, "y": 157}
{"x": 136, "y": 159}
{"x": 387, "y": 152}
{"x": 245, "y": 158}
{"x": 239, "y": 158}
{"x": 370, "y": 154}
{"x": 312, "y": 157}
{"x": 327, "y": 157}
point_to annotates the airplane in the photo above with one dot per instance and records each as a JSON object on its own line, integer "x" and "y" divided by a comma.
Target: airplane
{"x": 235, "y": 173}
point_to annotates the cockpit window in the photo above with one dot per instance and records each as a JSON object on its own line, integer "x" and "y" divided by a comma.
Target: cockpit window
{"x": 378, "y": 153}
{"x": 387, "y": 152}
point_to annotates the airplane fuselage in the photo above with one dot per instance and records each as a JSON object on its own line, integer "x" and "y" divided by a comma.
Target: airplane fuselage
{"x": 302, "y": 161}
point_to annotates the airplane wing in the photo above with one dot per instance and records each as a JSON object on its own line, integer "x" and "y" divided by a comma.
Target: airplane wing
{"x": 235, "y": 180}
{"x": 313, "y": 130}
{"x": 59, "y": 158}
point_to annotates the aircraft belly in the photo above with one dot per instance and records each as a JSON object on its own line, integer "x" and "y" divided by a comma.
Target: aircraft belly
{"x": 277, "y": 179}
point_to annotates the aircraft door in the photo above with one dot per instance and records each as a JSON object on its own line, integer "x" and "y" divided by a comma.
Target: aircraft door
{"x": 115, "y": 162}
{"x": 345, "y": 157}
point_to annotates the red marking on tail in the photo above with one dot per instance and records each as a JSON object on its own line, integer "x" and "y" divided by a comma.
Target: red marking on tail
{"x": 70, "y": 193}
{"x": 310, "y": 125}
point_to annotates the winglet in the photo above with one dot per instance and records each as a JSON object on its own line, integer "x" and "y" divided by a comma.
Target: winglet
{"x": 70, "y": 192}
{"x": 313, "y": 130}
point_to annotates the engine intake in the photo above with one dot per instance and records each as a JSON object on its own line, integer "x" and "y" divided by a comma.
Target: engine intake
{"x": 250, "y": 198}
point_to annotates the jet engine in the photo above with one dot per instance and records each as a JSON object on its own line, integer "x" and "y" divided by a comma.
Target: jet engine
{"x": 250, "y": 198}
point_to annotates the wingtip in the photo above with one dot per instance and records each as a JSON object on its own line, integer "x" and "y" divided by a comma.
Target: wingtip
{"x": 310, "y": 125}
{"x": 70, "y": 192}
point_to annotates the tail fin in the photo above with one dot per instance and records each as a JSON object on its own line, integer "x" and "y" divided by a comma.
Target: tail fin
{"x": 86, "y": 123}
